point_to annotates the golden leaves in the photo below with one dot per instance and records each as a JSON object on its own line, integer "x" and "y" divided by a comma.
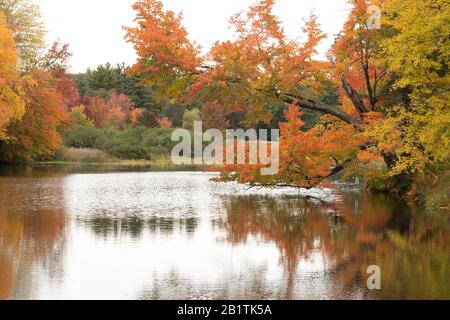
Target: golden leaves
{"x": 11, "y": 105}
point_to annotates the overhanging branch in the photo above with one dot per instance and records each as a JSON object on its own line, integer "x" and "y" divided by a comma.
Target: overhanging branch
{"x": 311, "y": 105}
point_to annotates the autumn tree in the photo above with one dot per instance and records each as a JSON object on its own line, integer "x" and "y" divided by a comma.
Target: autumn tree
{"x": 398, "y": 81}
{"x": 54, "y": 61}
{"x": 417, "y": 124}
{"x": 79, "y": 118}
{"x": 115, "y": 111}
{"x": 383, "y": 106}
{"x": 68, "y": 88}
{"x": 23, "y": 17}
{"x": 167, "y": 59}
{"x": 11, "y": 104}
{"x": 213, "y": 116}
{"x": 260, "y": 67}
{"x": 97, "y": 111}
{"x": 37, "y": 135}
{"x": 119, "y": 110}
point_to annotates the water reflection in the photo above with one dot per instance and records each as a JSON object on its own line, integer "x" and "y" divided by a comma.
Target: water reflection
{"x": 110, "y": 228}
{"x": 156, "y": 235}
{"x": 32, "y": 236}
{"x": 411, "y": 247}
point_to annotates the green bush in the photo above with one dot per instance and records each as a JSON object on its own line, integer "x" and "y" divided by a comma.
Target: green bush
{"x": 129, "y": 152}
{"x": 133, "y": 144}
{"x": 81, "y": 137}
{"x": 190, "y": 117}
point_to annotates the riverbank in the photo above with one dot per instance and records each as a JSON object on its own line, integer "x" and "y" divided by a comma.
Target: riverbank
{"x": 141, "y": 164}
{"x": 57, "y": 168}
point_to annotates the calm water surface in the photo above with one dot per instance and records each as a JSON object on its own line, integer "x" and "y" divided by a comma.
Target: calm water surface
{"x": 86, "y": 234}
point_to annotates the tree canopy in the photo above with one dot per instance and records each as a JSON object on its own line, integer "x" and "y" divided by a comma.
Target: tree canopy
{"x": 392, "y": 86}
{"x": 11, "y": 104}
{"x": 23, "y": 17}
{"x": 377, "y": 106}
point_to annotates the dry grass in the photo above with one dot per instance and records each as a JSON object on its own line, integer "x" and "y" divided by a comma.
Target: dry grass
{"x": 88, "y": 156}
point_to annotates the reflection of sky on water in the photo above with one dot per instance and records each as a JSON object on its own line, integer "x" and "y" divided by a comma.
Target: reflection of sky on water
{"x": 156, "y": 235}
{"x": 159, "y": 194}
{"x": 175, "y": 247}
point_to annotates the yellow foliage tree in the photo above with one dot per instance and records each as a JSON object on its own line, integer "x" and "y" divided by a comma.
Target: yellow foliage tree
{"x": 11, "y": 105}
{"x": 417, "y": 126}
{"x": 23, "y": 18}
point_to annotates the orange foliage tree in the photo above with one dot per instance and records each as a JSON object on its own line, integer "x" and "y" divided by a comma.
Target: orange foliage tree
{"x": 114, "y": 112}
{"x": 262, "y": 66}
{"x": 11, "y": 105}
{"x": 167, "y": 57}
{"x": 119, "y": 109}
{"x": 68, "y": 88}
{"x": 213, "y": 116}
{"x": 37, "y": 135}
{"x": 97, "y": 111}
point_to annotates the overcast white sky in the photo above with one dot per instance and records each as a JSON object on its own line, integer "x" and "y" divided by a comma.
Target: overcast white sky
{"x": 94, "y": 27}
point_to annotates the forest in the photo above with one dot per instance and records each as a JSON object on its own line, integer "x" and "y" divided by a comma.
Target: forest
{"x": 376, "y": 108}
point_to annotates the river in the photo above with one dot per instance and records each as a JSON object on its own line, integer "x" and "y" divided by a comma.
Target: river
{"x": 102, "y": 233}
